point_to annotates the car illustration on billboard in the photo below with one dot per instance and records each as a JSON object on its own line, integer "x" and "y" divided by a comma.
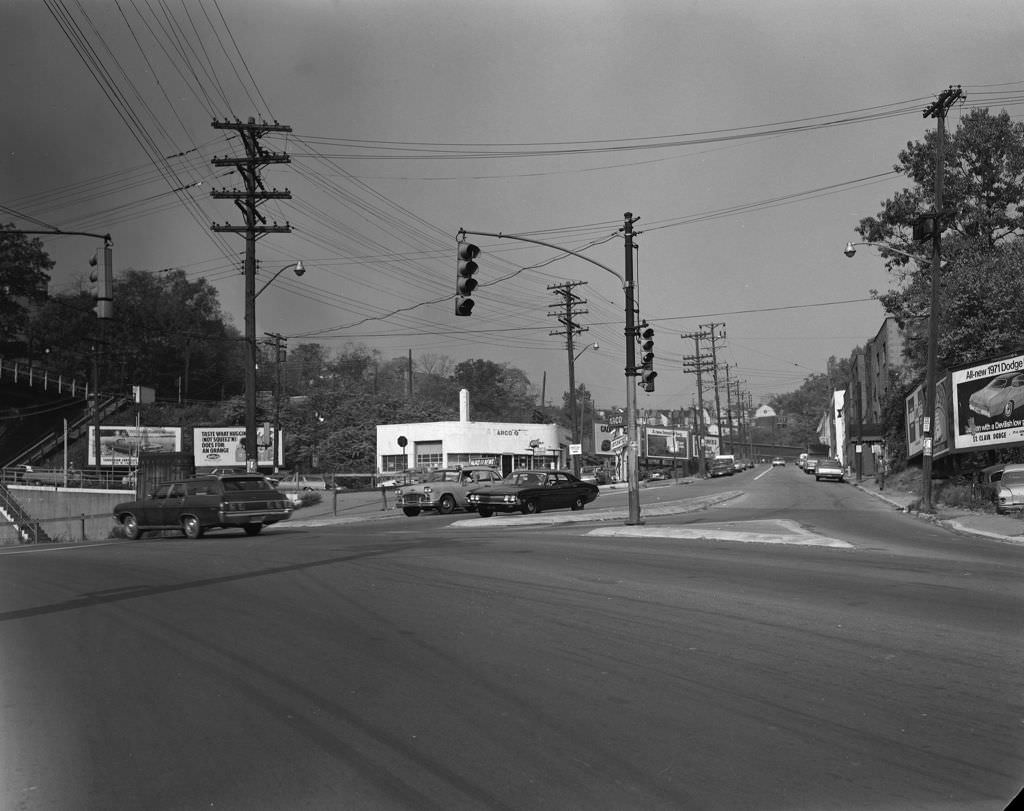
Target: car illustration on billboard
{"x": 1003, "y": 395}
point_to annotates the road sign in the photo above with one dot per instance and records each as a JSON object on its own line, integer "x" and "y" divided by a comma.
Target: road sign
{"x": 576, "y": 450}
{"x": 619, "y": 442}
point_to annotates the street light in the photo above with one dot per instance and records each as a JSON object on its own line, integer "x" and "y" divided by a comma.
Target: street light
{"x": 928, "y": 431}
{"x": 575, "y": 414}
{"x": 251, "y": 451}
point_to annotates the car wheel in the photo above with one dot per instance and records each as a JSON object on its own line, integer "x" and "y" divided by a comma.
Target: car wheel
{"x": 817, "y": 478}
{"x": 191, "y": 528}
{"x": 412, "y": 512}
{"x": 1009, "y": 408}
{"x": 530, "y": 506}
{"x": 578, "y": 503}
{"x": 131, "y": 527}
{"x": 253, "y": 529}
{"x": 484, "y": 513}
{"x": 446, "y": 506}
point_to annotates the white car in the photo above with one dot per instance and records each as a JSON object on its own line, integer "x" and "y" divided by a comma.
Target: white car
{"x": 778, "y": 461}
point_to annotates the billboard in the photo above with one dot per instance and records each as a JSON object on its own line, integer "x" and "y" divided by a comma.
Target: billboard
{"x": 120, "y": 445}
{"x": 988, "y": 404}
{"x": 915, "y": 408}
{"x": 667, "y": 443}
{"x": 605, "y": 435}
{"x": 225, "y": 447}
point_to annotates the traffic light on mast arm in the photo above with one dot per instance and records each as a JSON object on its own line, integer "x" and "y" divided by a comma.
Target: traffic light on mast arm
{"x": 647, "y": 373}
{"x": 465, "y": 284}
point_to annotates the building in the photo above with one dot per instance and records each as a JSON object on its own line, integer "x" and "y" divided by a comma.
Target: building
{"x": 506, "y": 446}
{"x": 871, "y": 373}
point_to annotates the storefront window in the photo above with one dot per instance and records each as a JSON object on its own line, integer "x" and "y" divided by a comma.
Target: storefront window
{"x": 394, "y": 463}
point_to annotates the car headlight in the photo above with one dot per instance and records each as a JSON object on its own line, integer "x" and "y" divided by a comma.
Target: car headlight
{"x": 427, "y": 488}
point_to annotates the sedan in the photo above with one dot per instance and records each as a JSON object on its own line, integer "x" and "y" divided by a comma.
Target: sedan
{"x": 530, "y": 491}
{"x": 828, "y": 469}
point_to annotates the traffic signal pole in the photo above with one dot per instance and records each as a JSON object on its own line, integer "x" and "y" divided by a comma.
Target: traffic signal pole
{"x": 632, "y": 448}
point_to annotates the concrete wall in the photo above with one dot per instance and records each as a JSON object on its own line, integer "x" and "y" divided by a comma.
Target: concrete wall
{"x": 66, "y": 515}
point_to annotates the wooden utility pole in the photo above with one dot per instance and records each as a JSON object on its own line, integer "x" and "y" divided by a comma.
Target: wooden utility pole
{"x": 698, "y": 364}
{"x": 713, "y": 334}
{"x": 936, "y": 110}
{"x": 248, "y": 201}
{"x": 570, "y": 328}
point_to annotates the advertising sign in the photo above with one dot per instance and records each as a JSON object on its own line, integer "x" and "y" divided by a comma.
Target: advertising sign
{"x": 988, "y": 404}
{"x": 225, "y": 447}
{"x": 917, "y": 421}
{"x": 667, "y": 443}
{"x": 120, "y": 445}
{"x": 604, "y": 434}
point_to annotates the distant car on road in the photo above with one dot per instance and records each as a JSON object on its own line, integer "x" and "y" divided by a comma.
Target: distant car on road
{"x": 721, "y": 467}
{"x": 811, "y": 464}
{"x": 305, "y": 482}
{"x": 244, "y": 500}
{"x": 828, "y": 469}
{"x": 778, "y": 461}
{"x": 531, "y": 491}
{"x": 444, "y": 490}
{"x": 1003, "y": 395}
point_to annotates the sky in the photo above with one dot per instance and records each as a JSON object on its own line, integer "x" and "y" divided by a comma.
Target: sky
{"x": 748, "y": 136}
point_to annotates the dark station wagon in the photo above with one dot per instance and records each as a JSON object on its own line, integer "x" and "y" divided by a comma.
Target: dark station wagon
{"x": 244, "y": 500}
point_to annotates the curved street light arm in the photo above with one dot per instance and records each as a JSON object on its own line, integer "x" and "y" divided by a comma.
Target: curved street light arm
{"x": 299, "y": 270}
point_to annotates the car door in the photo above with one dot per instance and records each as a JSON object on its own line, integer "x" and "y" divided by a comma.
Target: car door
{"x": 171, "y": 504}
{"x": 560, "y": 491}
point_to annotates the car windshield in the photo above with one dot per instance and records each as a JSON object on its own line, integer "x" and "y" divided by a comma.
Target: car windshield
{"x": 999, "y": 383}
{"x": 246, "y": 484}
{"x": 443, "y": 476}
{"x": 524, "y": 477}
{"x": 1013, "y": 477}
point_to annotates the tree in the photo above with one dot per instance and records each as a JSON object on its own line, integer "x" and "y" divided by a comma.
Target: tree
{"x": 24, "y": 276}
{"x": 497, "y": 392}
{"x": 982, "y": 290}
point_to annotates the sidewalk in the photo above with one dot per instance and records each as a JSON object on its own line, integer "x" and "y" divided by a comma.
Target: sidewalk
{"x": 986, "y": 524}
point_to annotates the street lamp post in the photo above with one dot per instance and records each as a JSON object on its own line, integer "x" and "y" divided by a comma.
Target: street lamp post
{"x": 928, "y": 429}
{"x": 251, "y": 293}
{"x": 575, "y": 414}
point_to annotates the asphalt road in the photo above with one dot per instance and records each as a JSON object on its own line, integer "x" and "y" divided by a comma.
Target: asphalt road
{"x": 725, "y": 658}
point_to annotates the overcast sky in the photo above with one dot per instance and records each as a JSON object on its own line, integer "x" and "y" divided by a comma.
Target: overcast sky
{"x": 749, "y": 136}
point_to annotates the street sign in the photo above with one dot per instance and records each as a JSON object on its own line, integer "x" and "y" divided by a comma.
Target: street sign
{"x": 576, "y": 450}
{"x": 619, "y": 442}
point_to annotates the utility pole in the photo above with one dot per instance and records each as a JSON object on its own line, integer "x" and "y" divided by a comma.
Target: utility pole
{"x": 279, "y": 343}
{"x": 698, "y": 363}
{"x": 571, "y": 303}
{"x": 632, "y": 449}
{"x": 248, "y": 202}
{"x": 936, "y": 110}
{"x": 712, "y": 336}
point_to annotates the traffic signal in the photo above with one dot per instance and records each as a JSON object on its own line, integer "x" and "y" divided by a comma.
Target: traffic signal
{"x": 647, "y": 373}
{"x": 465, "y": 284}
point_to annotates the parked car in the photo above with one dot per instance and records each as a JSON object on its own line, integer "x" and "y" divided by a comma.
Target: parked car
{"x": 1003, "y": 395}
{"x": 244, "y": 500}
{"x": 721, "y": 467}
{"x": 530, "y": 491}
{"x": 778, "y": 461}
{"x": 302, "y": 481}
{"x": 811, "y": 464}
{"x": 1009, "y": 490}
{"x": 828, "y": 469}
{"x": 444, "y": 490}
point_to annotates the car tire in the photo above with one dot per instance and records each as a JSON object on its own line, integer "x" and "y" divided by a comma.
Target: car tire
{"x": 531, "y": 507}
{"x": 412, "y": 512}
{"x": 253, "y": 529}
{"x": 446, "y": 506}
{"x": 191, "y": 528}
{"x": 131, "y": 527}
{"x": 578, "y": 504}
{"x": 485, "y": 513}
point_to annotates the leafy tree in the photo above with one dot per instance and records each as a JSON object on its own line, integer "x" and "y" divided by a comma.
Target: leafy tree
{"x": 497, "y": 392}
{"x": 24, "y": 275}
{"x": 982, "y": 289}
